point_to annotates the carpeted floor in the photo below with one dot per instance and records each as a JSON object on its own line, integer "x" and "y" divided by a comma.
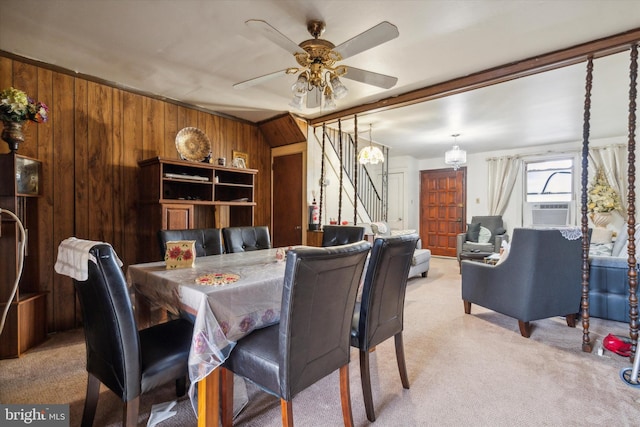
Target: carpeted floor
{"x": 473, "y": 370}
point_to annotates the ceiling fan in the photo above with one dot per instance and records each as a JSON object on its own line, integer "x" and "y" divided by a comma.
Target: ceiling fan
{"x": 318, "y": 72}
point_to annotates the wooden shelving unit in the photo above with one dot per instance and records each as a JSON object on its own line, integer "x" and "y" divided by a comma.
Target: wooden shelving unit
{"x": 25, "y": 325}
{"x": 178, "y": 194}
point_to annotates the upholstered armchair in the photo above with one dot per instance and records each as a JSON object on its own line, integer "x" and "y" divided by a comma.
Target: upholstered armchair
{"x": 540, "y": 277}
{"x": 484, "y": 234}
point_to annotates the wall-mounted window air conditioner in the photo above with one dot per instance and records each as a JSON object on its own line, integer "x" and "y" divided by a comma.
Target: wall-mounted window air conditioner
{"x": 549, "y": 214}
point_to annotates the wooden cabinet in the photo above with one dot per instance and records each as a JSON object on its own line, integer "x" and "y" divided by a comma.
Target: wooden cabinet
{"x": 178, "y": 194}
{"x": 314, "y": 238}
{"x": 25, "y": 325}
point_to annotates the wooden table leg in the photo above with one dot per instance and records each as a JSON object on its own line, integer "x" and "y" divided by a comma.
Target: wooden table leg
{"x": 209, "y": 400}
{"x": 143, "y": 311}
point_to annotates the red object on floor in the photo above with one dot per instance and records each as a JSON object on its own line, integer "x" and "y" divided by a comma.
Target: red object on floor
{"x": 618, "y": 345}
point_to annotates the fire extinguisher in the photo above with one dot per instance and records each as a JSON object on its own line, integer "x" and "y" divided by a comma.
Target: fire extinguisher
{"x": 314, "y": 216}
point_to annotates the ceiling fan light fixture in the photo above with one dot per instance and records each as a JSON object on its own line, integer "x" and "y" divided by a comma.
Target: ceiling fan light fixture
{"x": 456, "y": 156}
{"x": 339, "y": 89}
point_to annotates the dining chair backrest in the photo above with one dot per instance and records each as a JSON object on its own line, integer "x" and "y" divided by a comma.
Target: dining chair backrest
{"x": 380, "y": 311}
{"x": 379, "y": 314}
{"x": 111, "y": 333}
{"x": 242, "y": 239}
{"x": 129, "y": 362}
{"x": 319, "y": 295}
{"x": 208, "y": 240}
{"x": 311, "y": 340}
{"x": 334, "y": 235}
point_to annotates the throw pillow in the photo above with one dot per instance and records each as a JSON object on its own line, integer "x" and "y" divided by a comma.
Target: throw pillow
{"x": 485, "y": 235}
{"x": 473, "y": 232}
{"x": 504, "y": 252}
{"x": 380, "y": 228}
{"x": 600, "y": 249}
{"x": 601, "y": 235}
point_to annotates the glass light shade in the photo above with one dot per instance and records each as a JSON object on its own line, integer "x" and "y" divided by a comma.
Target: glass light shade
{"x": 455, "y": 157}
{"x": 329, "y": 103}
{"x": 297, "y": 102}
{"x": 370, "y": 154}
{"x": 299, "y": 88}
{"x": 339, "y": 90}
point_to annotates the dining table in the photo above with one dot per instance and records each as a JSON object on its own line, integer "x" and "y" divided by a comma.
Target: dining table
{"x": 226, "y": 296}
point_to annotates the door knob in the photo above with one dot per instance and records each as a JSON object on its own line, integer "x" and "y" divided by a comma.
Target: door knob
{"x": 297, "y": 227}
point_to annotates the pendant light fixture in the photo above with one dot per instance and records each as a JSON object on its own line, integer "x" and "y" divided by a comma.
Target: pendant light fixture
{"x": 370, "y": 154}
{"x": 456, "y": 156}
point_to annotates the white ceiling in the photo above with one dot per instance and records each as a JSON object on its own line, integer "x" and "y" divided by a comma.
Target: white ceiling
{"x": 193, "y": 51}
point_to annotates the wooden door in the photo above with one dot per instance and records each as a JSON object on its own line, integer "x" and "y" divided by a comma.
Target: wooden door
{"x": 396, "y": 208}
{"x": 442, "y": 209}
{"x": 287, "y": 194}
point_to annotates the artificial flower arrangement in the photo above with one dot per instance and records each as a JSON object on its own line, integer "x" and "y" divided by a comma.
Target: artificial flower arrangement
{"x": 16, "y": 106}
{"x": 601, "y": 197}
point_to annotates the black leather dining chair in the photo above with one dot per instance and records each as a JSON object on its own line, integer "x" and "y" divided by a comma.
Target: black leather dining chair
{"x": 334, "y": 235}
{"x": 242, "y": 239}
{"x": 208, "y": 240}
{"x": 312, "y": 339}
{"x": 129, "y": 362}
{"x": 379, "y": 314}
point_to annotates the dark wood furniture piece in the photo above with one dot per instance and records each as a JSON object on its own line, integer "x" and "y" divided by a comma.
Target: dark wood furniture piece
{"x": 177, "y": 194}
{"x": 25, "y": 325}
{"x": 314, "y": 238}
{"x": 473, "y": 256}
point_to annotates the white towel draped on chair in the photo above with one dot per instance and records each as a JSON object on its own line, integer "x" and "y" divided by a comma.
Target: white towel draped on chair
{"x": 73, "y": 258}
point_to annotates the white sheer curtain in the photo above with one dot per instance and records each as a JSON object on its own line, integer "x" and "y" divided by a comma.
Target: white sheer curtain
{"x": 612, "y": 159}
{"x": 503, "y": 172}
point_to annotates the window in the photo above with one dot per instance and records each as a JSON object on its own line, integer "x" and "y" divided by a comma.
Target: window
{"x": 549, "y": 180}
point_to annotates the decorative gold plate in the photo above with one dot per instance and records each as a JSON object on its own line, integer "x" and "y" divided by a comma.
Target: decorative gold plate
{"x": 192, "y": 144}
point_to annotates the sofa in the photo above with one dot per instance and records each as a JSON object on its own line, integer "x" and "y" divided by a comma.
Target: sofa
{"x": 608, "y": 274}
{"x": 421, "y": 257}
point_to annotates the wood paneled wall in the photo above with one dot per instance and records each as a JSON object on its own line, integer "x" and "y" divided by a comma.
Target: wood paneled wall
{"x": 90, "y": 149}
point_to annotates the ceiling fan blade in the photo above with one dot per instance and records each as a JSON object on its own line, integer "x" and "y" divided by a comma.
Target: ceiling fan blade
{"x": 274, "y": 35}
{"x": 374, "y": 36}
{"x": 370, "y": 78}
{"x": 257, "y": 80}
{"x": 314, "y": 98}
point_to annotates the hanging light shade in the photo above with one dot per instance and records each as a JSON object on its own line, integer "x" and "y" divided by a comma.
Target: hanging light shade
{"x": 370, "y": 154}
{"x": 456, "y": 156}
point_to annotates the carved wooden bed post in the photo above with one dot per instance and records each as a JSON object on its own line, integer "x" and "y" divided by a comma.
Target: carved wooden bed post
{"x": 587, "y": 345}
{"x": 324, "y": 133}
{"x": 340, "y": 154}
{"x": 631, "y": 197}
{"x": 355, "y": 171}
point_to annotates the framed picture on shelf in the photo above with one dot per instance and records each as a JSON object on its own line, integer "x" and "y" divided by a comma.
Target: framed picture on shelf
{"x": 240, "y": 159}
